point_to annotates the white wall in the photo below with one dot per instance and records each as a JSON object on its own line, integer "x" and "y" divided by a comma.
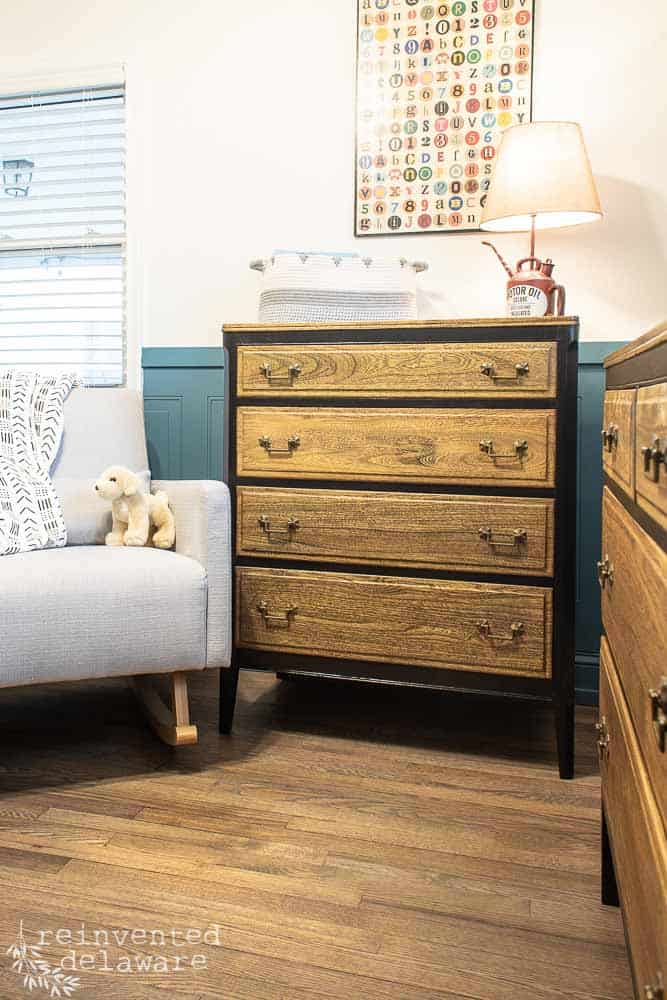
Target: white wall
{"x": 241, "y": 139}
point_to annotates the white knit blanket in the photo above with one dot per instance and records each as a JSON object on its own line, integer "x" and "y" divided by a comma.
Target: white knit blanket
{"x": 31, "y": 427}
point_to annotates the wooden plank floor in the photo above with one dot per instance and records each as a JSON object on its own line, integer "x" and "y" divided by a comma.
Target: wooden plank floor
{"x": 347, "y": 841}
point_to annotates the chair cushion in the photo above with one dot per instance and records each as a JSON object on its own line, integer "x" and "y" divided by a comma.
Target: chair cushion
{"x": 102, "y": 427}
{"x": 97, "y": 611}
{"x": 87, "y": 517}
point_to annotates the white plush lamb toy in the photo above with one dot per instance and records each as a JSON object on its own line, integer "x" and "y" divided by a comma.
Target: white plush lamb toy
{"x": 136, "y": 516}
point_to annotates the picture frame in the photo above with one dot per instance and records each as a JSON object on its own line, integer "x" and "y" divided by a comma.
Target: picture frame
{"x": 436, "y": 85}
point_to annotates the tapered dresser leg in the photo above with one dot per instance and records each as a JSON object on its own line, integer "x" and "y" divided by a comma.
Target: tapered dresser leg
{"x": 229, "y": 680}
{"x": 609, "y": 888}
{"x": 565, "y": 739}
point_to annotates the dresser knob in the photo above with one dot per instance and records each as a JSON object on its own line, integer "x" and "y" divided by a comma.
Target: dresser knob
{"x": 283, "y": 534}
{"x": 489, "y": 369}
{"x": 654, "y": 456}
{"x": 286, "y": 379}
{"x": 610, "y": 438}
{"x": 282, "y": 619}
{"x": 655, "y": 991}
{"x": 293, "y": 443}
{"x": 516, "y": 629}
{"x": 487, "y": 446}
{"x": 505, "y": 539}
{"x": 605, "y": 572}
{"x": 658, "y": 698}
{"x": 603, "y": 739}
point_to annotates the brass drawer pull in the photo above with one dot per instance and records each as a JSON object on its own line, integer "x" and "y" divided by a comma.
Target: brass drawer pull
{"x": 516, "y": 629}
{"x": 518, "y": 537}
{"x": 654, "y": 455}
{"x": 610, "y": 438}
{"x": 605, "y": 572}
{"x": 281, "y": 620}
{"x": 293, "y": 443}
{"x": 520, "y": 449}
{"x": 655, "y": 991}
{"x": 285, "y": 534}
{"x": 658, "y": 698}
{"x": 293, "y": 371}
{"x": 603, "y": 739}
{"x": 489, "y": 369}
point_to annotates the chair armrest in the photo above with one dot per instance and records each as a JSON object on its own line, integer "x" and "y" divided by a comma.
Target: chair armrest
{"x": 203, "y": 532}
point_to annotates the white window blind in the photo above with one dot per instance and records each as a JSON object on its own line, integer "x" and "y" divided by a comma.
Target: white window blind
{"x": 62, "y": 232}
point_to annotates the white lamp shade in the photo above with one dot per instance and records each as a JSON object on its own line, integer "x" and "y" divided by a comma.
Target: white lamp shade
{"x": 542, "y": 171}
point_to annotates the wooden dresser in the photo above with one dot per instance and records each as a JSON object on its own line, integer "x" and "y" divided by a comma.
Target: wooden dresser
{"x": 404, "y": 506}
{"x": 632, "y": 729}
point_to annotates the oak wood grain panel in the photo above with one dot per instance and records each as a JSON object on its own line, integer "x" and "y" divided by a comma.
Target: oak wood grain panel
{"x": 637, "y": 833}
{"x": 420, "y": 622}
{"x": 397, "y": 529}
{"x": 634, "y": 608}
{"x": 651, "y": 431}
{"x": 385, "y": 370}
{"x": 484, "y": 322}
{"x": 398, "y": 445}
{"x": 33, "y": 861}
{"x": 618, "y": 458}
{"x": 652, "y": 338}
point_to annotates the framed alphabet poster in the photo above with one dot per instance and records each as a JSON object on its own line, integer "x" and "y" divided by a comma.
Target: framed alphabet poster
{"x": 437, "y": 83}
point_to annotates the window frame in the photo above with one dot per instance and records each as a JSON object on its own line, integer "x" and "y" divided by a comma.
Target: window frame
{"x": 110, "y": 84}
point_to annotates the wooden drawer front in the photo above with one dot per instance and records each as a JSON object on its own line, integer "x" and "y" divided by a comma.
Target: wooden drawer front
{"x": 399, "y": 529}
{"x": 398, "y": 445}
{"x": 651, "y": 451}
{"x": 634, "y": 614}
{"x": 510, "y": 369}
{"x": 637, "y": 835}
{"x": 461, "y": 626}
{"x": 618, "y": 437}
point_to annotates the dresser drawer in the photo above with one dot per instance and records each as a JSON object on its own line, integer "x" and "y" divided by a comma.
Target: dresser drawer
{"x": 637, "y": 835}
{"x": 651, "y": 451}
{"x": 618, "y": 437}
{"x": 461, "y": 626}
{"x": 634, "y": 614}
{"x": 489, "y": 446}
{"x": 482, "y": 370}
{"x": 400, "y": 529}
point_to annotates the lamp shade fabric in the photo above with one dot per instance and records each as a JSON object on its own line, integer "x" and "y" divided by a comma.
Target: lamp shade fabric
{"x": 542, "y": 170}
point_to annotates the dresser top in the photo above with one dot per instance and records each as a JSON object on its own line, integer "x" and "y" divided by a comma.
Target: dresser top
{"x": 654, "y": 338}
{"x": 424, "y": 324}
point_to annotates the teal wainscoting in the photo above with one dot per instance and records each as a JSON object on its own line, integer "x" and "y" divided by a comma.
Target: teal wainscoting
{"x": 184, "y": 401}
{"x": 184, "y": 410}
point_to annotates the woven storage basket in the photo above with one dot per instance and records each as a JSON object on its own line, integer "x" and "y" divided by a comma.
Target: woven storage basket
{"x": 328, "y": 287}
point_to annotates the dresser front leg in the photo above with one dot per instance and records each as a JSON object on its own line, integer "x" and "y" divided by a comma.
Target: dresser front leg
{"x": 609, "y": 888}
{"x": 565, "y": 738}
{"x": 229, "y": 679}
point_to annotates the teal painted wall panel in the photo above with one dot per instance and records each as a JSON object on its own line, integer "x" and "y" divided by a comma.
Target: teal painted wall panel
{"x": 184, "y": 392}
{"x": 215, "y": 431}
{"x": 184, "y": 395}
{"x": 163, "y": 417}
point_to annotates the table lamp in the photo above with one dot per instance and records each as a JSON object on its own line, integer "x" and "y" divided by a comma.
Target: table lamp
{"x": 542, "y": 180}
